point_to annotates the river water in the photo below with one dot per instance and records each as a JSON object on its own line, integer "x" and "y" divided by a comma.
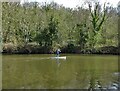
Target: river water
{"x": 76, "y": 72}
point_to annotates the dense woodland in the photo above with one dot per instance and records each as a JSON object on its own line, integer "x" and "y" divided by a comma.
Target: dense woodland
{"x": 42, "y": 28}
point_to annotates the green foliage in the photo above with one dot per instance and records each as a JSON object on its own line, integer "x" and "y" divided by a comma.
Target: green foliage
{"x": 97, "y": 21}
{"x": 82, "y": 30}
{"x": 52, "y": 24}
{"x": 49, "y": 34}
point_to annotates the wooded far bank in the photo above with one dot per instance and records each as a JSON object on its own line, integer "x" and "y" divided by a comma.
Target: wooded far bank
{"x": 42, "y": 28}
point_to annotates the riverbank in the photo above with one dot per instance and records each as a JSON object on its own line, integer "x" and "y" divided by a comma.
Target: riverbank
{"x": 36, "y": 49}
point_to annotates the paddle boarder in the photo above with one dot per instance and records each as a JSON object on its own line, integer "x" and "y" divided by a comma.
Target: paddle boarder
{"x": 58, "y": 52}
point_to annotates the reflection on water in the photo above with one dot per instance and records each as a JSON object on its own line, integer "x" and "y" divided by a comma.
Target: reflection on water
{"x": 76, "y": 72}
{"x": 113, "y": 85}
{"x": 98, "y": 86}
{"x": 58, "y": 62}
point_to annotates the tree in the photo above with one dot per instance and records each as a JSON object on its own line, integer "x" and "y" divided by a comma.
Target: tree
{"x": 82, "y": 31}
{"x": 119, "y": 26}
{"x": 49, "y": 34}
{"x": 34, "y": 22}
{"x": 97, "y": 20}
